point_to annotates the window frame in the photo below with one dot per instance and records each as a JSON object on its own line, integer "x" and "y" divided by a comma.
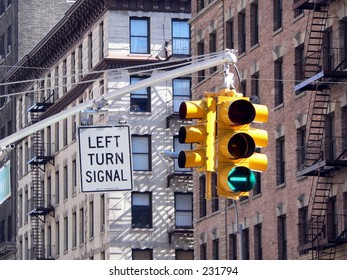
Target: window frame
{"x": 144, "y": 211}
{"x": 142, "y": 94}
{"x": 133, "y": 49}
{"x": 186, "y": 211}
{"x": 180, "y": 38}
{"x": 148, "y": 152}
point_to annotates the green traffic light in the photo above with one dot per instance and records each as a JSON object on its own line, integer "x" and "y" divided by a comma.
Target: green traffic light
{"x": 241, "y": 179}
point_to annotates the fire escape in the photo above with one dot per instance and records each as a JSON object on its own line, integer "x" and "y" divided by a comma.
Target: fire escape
{"x": 322, "y": 155}
{"x": 40, "y": 205}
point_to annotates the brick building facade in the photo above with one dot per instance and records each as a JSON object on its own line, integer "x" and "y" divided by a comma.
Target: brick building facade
{"x": 276, "y": 219}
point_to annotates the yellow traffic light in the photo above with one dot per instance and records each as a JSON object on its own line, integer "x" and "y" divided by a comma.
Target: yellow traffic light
{"x": 202, "y": 134}
{"x": 237, "y": 143}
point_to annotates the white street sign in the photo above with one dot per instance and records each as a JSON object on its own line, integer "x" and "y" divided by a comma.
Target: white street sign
{"x": 105, "y": 158}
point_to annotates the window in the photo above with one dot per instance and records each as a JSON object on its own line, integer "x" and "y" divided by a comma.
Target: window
{"x": 139, "y": 35}
{"x": 278, "y": 74}
{"x": 74, "y": 177}
{"x": 66, "y": 182}
{"x": 344, "y": 129}
{"x": 180, "y": 37}
{"x": 245, "y": 244}
{"x": 215, "y": 249}
{"x": 141, "y": 152}
{"x": 329, "y": 58}
{"x": 80, "y": 61}
{"x": 282, "y": 237}
{"x": 202, "y": 199}
{"x": 215, "y": 198}
{"x": 301, "y": 141}
{"x": 2, "y": 6}
{"x": 258, "y": 247}
{"x": 64, "y": 78}
{"x": 330, "y": 138}
{"x": 277, "y": 14}
{"x": 280, "y": 161}
{"x": 230, "y": 34}
{"x": 2, "y": 47}
{"x": 91, "y": 219}
{"x": 344, "y": 41}
{"x": 102, "y": 213}
{"x": 242, "y": 31}
{"x": 255, "y": 84}
{"x": 183, "y": 210}
{"x": 142, "y": 254}
{"x": 303, "y": 225}
{"x": 56, "y": 137}
{"x": 177, "y": 148}
{"x": 101, "y": 41}
{"x": 200, "y": 4}
{"x": 74, "y": 229}
{"x": 9, "y": 39}
{"x": 57, "y": 193}
{"x": 232, "y": 246}
{"x": 254, "y": 23}
{"x": 66, "y": 234}
{"x": 73, "y": 127}
{"x": 73, "y": 67}
{"x": 140, "y": 100}
{"x": 299, "y": 64}
{"x": 57, "y": 238}
{"x": 141, "y": 210}
{"x": 297, "y": 12}
{"x": 201, "y": 52}
{"x": 90, "y": 50}
{"x": 181, "y": 92}
{"x": 56, "y": 84}
{"x": 203, "y": 251}
{"x": 213, "y": 48}
{"x": 181, "y": 254}
{"x": 81, "y": 223}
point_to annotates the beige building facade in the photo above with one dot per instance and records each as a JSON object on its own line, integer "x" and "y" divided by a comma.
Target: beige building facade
{"x": 97, "y": 48}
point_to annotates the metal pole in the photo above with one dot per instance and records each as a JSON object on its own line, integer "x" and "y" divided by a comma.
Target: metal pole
{"x": 228, "y": 57}
{"x": 239, "y": 229}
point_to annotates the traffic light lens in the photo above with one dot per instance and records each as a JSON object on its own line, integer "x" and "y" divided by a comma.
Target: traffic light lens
{"x": 241, "y": 179}
{"x": 241, "y": 112}
{"x": 241, "y": 145}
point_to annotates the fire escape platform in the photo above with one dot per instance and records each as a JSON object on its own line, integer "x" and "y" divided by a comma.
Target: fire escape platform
{"x": 39, "y": 211}
{"x": 308, "y": 5}
{"x": 323, "y": 166}
{"x": 37, "y": 160}
{"x": 40, "y": 107}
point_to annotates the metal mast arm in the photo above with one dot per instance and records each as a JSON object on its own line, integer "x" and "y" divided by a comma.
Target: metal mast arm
{"x": 227, "y": 57}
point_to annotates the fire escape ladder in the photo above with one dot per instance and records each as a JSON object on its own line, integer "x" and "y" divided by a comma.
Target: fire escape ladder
{"x": 319, "y": 199}
{"x": 315, "y": 132}
{"x": 319, "y": 17}
{"x": 37, "y": 193}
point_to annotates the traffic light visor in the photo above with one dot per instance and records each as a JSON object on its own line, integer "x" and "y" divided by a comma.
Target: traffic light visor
{"x": 192, "y": 109}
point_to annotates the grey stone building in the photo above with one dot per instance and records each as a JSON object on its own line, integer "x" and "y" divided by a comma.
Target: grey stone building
{"x": 22, "y": 25}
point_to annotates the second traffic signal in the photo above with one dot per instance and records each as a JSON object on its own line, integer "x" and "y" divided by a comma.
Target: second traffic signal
{"x": 202, "y": 134}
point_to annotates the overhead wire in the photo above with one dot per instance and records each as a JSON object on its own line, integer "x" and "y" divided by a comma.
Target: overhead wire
{"x": 185, "y": 61}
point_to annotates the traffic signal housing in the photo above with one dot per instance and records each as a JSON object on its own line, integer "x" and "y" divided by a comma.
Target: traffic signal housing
{"x": 237, "y": 142}
{"x": 202, "y": 134}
